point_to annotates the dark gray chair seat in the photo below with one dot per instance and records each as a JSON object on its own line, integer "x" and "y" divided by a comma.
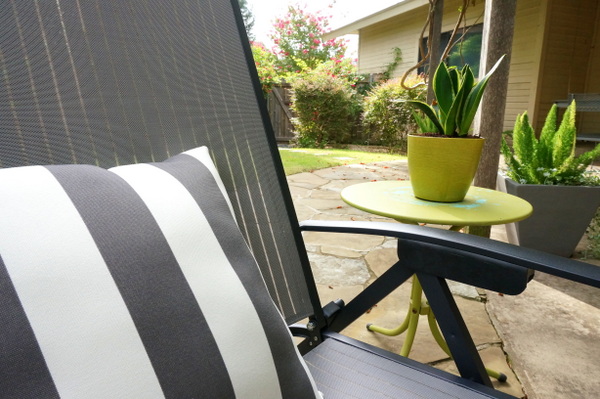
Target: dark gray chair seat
{"x": 346, "y": 368}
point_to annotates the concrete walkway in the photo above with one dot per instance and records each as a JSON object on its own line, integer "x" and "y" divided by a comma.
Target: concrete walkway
{"x": 546, "y": 340}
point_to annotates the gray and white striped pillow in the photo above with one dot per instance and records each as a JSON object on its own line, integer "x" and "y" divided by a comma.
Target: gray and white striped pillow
{"x": 134, "y": 283}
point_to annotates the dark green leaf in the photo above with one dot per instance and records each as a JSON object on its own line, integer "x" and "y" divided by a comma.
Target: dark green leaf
{"x": 429, "y": 113}
{"x": 442, "y": 87}
{"x": 474, "y": 98}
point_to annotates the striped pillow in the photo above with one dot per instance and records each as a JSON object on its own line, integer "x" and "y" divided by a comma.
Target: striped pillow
{"x": 134, "y": 283}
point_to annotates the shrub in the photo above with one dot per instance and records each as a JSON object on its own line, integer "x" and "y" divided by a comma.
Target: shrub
{"x": 386, "y": 118}
{"x": 264, "y": 61}
{"x": 325, "y": 107}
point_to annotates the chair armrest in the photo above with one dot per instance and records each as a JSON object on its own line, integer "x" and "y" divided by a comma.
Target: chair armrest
{"x": 469, "y": 246}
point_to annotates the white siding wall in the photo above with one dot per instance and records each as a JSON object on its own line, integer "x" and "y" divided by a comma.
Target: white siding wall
{"x": 377, "y": 41}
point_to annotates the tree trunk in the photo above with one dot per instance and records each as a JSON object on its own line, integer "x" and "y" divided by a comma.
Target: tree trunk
{"x": 498, "y": 28}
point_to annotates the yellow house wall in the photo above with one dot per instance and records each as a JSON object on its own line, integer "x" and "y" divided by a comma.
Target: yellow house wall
{"x": 403, "y": 31}
{"x": 376, "y": 43}
{"x": 590, "y": 122}
{"x": 571, "y": 58}
{"x": 526, "y": 53}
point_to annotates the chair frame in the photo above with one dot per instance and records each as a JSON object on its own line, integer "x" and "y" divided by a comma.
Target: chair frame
{"x": 431, "y": 254}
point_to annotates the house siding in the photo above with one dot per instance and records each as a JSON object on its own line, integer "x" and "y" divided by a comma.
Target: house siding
{"x": 526, "y": 54}
{"x": 590, "y": 122}
{"x": 571, "y": 60}
{"x": 377, "y": 41}
{"x": 556, "y": 51}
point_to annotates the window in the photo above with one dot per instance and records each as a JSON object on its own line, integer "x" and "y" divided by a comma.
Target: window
{"x": 465, "y": 51}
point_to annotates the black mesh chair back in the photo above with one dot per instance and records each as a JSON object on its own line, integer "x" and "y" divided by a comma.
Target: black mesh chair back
{"x": 110, "y": 82}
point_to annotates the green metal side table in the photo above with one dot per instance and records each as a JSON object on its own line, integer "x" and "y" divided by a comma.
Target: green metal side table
{"x": 395, "y": 199}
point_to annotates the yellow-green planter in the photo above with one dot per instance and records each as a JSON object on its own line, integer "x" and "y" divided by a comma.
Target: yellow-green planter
{"x": 442, "y": 168}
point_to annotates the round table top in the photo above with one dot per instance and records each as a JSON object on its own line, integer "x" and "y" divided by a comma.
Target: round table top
{"x": 395, "y": 199}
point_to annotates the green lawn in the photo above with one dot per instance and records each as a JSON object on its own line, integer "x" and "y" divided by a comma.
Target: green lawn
{"x": 297, "y": 160}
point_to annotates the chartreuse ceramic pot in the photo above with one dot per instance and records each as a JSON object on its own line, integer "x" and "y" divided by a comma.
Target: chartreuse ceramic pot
{"x": 442, "y": 168}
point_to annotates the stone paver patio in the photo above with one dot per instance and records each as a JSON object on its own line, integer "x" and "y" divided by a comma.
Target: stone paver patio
{"x": 342, "y": 268}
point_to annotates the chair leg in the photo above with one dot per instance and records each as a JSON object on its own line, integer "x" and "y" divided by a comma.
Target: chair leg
{"x": 374, "y": 293}
{"x": 453, "y": 327}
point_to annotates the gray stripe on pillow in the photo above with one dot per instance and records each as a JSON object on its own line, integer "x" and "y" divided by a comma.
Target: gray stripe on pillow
{"x": 70, "y": 298}
{"x": 208, "y": 271}
{"x": 23, "y": 370}
{"x": 189, "y": 168}
{"x": 175, "y": 333}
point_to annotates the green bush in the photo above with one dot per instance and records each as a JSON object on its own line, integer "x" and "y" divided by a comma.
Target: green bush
{"x": 325, "y": 107}
{"x": 386, "y": 118}
{"x": 264, "y": 61}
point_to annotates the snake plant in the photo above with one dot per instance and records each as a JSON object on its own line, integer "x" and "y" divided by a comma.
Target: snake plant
{"x": 457, "y": 95}
{"x": 551, "y": 158}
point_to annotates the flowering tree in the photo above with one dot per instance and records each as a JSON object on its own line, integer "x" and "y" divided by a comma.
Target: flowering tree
{"x": 299, "y": 44}
{"x": 265, "y": 65}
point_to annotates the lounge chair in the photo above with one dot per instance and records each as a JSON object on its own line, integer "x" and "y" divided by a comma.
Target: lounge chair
{"x": 148, "y": 241}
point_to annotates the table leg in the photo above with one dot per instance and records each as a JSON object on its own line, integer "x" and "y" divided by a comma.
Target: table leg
{"x": 410, "y": 323}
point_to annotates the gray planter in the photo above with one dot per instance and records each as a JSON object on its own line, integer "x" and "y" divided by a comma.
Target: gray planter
{"x": 560, "y": 216}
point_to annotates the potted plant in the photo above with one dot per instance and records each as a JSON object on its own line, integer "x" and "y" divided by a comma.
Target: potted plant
{"x": 441, "y": 162}
{"x": 547, "y": 173}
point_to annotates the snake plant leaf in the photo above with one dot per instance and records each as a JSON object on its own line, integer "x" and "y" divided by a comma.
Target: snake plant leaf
{"x": 429, "y": 112}
{"x": 453, "y": 117}
{"x": 474, "y": 98}
{"x": 454, "y": 77}
{"x": 443, "y": 89}
{"x": 424, "y": 123}
{"x": 468, "y": 81}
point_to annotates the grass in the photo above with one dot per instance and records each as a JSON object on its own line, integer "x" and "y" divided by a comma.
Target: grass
{"x": 297, "y": 160}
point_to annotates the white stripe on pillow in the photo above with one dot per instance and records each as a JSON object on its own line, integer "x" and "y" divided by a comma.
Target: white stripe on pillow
{"x": 135, "y": 283}
{"x": 202, "y": 155}
{"x": 208, "y": 270}
{"x": 61, "y": 307}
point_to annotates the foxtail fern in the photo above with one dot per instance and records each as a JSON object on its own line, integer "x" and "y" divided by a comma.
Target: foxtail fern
{"x": 551, "y": 159}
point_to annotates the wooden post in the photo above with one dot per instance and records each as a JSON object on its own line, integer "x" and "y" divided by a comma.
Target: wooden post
{"x": 498, "y": 28}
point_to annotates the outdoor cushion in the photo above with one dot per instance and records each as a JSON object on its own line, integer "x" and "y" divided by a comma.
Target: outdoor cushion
{"x": 135, "y": 282}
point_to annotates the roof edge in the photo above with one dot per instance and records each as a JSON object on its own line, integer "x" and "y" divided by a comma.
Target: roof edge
{"x": 386, "y": 13}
